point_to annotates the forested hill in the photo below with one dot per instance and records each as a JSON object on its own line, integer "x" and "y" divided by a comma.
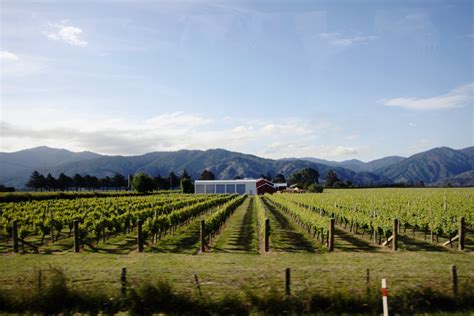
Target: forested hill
{"x": 431, "y": 166}
{"x": 224, "y": 164}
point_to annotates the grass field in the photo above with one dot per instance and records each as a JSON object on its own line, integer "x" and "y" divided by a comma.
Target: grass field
{"x": 234, "y": 268}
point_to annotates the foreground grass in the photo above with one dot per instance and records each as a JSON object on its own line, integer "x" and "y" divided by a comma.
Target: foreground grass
{"x": 222, "y": 273}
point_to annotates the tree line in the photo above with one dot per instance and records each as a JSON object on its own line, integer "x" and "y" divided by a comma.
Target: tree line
{"x": 306, "y": 178}
{"x": 39, "y": 182}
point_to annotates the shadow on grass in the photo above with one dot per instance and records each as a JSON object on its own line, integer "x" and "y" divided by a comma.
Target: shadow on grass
{"x": 242, "y": 235}
{"x": 292, "y": 240}
{"x": 347, "y": 242}
{"x": 413, "y": 244}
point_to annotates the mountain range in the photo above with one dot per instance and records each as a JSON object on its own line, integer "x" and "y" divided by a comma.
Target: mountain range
{"x": 438, "y": 166}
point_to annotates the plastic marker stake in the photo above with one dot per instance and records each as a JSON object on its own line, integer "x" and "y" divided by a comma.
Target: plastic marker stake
{"x": 384, "y": 297}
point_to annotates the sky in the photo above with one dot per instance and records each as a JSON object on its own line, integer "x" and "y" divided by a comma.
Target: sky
{"x": 329, "y": 79}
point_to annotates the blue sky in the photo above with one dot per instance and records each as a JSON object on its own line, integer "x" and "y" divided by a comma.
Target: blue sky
{"x": 332, "y": 79}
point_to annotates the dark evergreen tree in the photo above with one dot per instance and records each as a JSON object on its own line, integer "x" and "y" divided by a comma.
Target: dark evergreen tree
{"x": 78, "y": 181}
{"x": 51, "y": 182}
{"x": 160, "y": 183}
{"x": 36, "y": 181}
{"x": 106, "y": 183}
{"x": 119, "y": 181}
{"x": 186, "y": 183}
{"x": 173, "y": 180}
{"x": 64, "y": 182}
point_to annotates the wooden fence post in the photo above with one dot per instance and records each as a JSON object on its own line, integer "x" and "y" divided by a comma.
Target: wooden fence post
{"x": 123, "y": 281}
{"x": 454, "y": 279}
{"x": 15, "y": 236}
{"x": 461, "y": 233}
{"x": 76, "y": 235}
{"x": 287, "y": 281}
{"x": 395, "y": 235}
{"x": 267, "y": 235}
{"x": 203, "y": 236}
{"x": 331, "y": 235}
{"x": 140, "y": 236}
{"x": 52, "y": 222}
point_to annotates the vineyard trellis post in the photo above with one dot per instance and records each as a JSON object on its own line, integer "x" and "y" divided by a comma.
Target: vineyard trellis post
{"x": 462, "y": 233}
{"x": 15, "y": 236}
{"x": 454, "y": 279}
{"x": 331, "y": 235}
{"x": 287, "y": 281}
{"x": 203, "y": 236}
{"x": 76, "y": 235}
{"x": 267, "y": 235}
{"x": 140, "y": 236}
{"x": 123, "y": 281}
{"x": 395, "y": 235}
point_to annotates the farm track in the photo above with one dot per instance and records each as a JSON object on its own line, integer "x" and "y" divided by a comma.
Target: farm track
{"x": 184, "y": 240}
{"x": 285, "y": 235}
{"x": 239, "y": 235}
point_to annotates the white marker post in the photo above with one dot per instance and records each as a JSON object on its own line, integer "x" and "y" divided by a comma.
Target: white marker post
{"x": 384, "y": 297}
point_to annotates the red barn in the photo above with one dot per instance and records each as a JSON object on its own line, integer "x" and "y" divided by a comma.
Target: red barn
{"x": 265, "y": 186}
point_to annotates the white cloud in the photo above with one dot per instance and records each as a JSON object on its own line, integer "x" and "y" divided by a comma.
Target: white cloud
{"x": 456, "y": 98}
{"x": 71, "y": 128}
{"x": 21, "y": 65}
{"x": 299, "y": 149}
{"x": 8, "y": 56}
{"x": 411, "y": 124}
{"x": 67, "y": 33}
{"x": 340, "y": 40}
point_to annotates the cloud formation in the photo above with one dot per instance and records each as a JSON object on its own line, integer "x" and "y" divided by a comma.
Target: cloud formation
{"x": 8, "y": 56}
{"x": 67, "y": 33}
{"x": 61, "y": 127}
{"x": 456, "y": 98}
{"x": 340, "y": 40}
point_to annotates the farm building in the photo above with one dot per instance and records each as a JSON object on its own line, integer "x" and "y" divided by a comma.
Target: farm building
{"x": 240, "y": 186}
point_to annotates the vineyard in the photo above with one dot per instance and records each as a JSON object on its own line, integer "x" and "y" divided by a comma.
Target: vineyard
{"x": 183, "y": 235}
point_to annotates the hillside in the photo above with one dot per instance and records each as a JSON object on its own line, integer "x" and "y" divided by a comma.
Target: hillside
{"x": 430, "y": 166}
{"x": 16, "y": 167}
{"x": 357, "y": 165}
{"x": 224, "y": 164}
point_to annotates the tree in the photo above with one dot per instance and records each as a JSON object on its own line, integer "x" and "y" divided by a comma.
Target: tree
{"x": 94, "y": 182}
{"x": 51, "y": 182}
{"x": 78, "y": 181}
{"x": 173, "y": 180}
{"x": 119, "y": 181}
{"x": 36, "y": 181}
{"x": 186, "y": 183}
{"x": 160, "y": 183}
{"x": 142, "y": 183}
{"x": 279, "y": 178}
{"x": 64, "y": 182}
{"x": 315, "y": 188}
{"x": 106, "y": 182}
{"x": 331, "y": 179}
{"x": 304, "y": 177}
{"x": 207, "y": 175}
{"x": 88, "y": 182}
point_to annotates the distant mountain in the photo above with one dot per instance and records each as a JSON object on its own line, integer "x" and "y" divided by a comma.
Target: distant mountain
{"x": 16, "y": 167}
{"x": 357, "y": 165}
{"x": 433, "y": 167}
{"x": 465, "y": 179}
{"x": 430, "y": 166}
{"x": 224, "y": 164}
